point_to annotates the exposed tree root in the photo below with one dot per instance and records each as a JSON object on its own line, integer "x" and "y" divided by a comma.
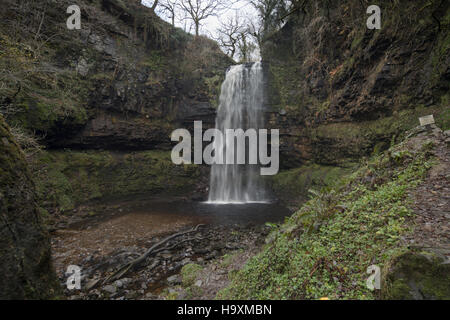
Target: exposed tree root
{"x": 153, "y": 250}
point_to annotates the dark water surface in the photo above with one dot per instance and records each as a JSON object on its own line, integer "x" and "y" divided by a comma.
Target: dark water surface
{"x": 224, "y": 214}
{"x": 156, "y": 214}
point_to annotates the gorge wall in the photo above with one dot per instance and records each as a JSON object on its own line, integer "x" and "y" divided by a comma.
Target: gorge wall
{"x": 339, "y": 91}
{"x": 123, "y": 81}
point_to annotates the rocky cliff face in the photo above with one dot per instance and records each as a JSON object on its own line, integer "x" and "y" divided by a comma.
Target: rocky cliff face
{"x": 339, "y": 91}
{"x": 124, "y": 81}
{"x": 25, "y": 260}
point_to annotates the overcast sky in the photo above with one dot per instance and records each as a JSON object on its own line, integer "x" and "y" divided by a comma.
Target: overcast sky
{"x": 210, "y": 25}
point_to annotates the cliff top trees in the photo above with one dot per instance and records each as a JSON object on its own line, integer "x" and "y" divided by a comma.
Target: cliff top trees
{"x": 199, "y": 10}
{"x": 195, "y": 10}
{"x": 228, "y": 35}
{"x": 236, "y": 36}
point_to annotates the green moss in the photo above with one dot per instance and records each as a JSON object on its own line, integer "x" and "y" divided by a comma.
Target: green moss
{"x": 357, "y": 41}
{"x": 284, "y": 89}
{"x": 292, "y": 186}
{"x": 45, "y": 109}
{"x": 12, "y": 161}
{"x": 170, "y": 295}
{"x": 103, "y": 76}
{"x": 155, "y": 60}
{"x": 399, "y": 289}
{"x": 24, "y": 244}
{"x": 232, "y": 274}
{"x": 228, "y": 258}
{"x": 193, "y": 292}
{"x": 379, "y": 147}
{"x": 213, "y": 85}
{"x": 69, "y": 178}
{"x": 45, "y": 99}
{"x": 443, "y": 120}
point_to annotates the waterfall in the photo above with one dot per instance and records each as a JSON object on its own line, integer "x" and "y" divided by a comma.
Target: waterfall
{"x": 241, "y": 103}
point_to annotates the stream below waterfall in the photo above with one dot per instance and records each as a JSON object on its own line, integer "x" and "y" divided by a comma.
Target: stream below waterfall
{"x": 133, "y": 226}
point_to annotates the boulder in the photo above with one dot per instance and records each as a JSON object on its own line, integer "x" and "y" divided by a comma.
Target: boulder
{"x": 417, "y": 275}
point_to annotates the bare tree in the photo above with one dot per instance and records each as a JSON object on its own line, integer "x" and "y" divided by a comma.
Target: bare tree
{"x": 155, "y": 4}
{"x": 199, "y": 10}
{"x": 169, "y": 7}
{"x": 228, "y": 35}
{"x": 255, "y": 30}
{"x": 235, "y": 36}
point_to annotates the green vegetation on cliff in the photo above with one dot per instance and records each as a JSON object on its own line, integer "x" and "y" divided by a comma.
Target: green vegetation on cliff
{"x": 325, "y": 248}
{"x": 125, "y": 63}
{"x": 291, "y": 186}
{"x": 344, "y": 91}
{"x": 66, "y": 179}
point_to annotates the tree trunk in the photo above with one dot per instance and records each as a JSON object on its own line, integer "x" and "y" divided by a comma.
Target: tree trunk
{"x": 155, "y": 4}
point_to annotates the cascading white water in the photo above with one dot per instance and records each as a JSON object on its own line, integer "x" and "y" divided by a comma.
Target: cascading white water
{"x": 241, "y": 103}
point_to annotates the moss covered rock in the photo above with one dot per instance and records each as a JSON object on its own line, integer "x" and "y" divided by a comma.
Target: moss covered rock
{"x": 124, "y": 81}
{"x": 25, "y": 259}
{"x": 189, "y": 274}
{"x": 418, "y": 276}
